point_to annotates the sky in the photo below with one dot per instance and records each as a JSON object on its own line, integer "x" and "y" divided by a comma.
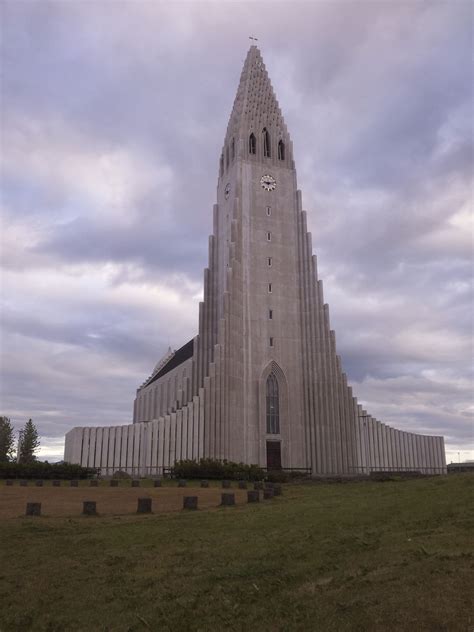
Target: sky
{"x": 113, "y": 116}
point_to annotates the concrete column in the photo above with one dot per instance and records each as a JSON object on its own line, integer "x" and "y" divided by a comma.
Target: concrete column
{"x": 201, "y": 425}
{"x": 408, "y": 450}
{"x": 195, "y": 435}
{"x": 172, "y": 458}
{"x": 154, "y": 447}
{"x": 383, "y": 443}
{"x": 190, "y": 429}
{"x": 111, "y": 451}
{"x": 398, "y": 448}
{"x": 179, "y": 428}
{"x": 184, "y": 433}
{"x": 212, "y": 411}
{"x": 105, "y": 448}
{"x": 124, "y": 447}
{"x": 160, "y": 445}
{"x": 166, "y": 437}
{"x": 136, "y": 447}
{"x": 130, "y": 446}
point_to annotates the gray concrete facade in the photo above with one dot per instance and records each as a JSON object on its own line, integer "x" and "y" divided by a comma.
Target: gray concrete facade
{"x": 263, "y": 324}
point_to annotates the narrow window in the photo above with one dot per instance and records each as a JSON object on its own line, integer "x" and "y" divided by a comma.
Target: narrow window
{"x": 221, "y": 167}
{"x": 232, "y": 150}
{"x": 273, "y": 405}
{"x": 270, "y": 287}
{"x": 269, "y": 236}
{"x": 270, "y": 314}
{"x": 271, "y": 342}
{"x": 227, "y": 157}
{"x": 269, "y": 262}
{"x": 266, "y": 143}
{"x": 252, "y": 144}
{"x": 281, "y": 150}
{"x": 269, "y": 210}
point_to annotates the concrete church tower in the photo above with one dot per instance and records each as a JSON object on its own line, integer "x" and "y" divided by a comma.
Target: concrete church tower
{"x": 261, "y": 382}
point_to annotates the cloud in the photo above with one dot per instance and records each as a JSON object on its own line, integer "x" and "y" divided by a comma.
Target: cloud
{"x": 113, "y": 119}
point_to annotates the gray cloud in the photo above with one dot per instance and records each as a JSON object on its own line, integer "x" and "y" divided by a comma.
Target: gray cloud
{"x": 113, "y": 119}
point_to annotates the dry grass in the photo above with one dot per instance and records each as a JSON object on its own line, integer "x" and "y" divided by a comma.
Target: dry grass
{"x": 67, "y": 501}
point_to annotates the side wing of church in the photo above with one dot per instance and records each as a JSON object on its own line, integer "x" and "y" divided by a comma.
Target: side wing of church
{"x": 262, "y": 382}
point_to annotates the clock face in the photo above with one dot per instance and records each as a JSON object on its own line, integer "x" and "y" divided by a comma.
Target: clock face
{"x": 268, "y": 182}
{"x": 227, "y": 190}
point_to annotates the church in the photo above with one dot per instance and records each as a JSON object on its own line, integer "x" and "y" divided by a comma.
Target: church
{"x": 261, "y": 382}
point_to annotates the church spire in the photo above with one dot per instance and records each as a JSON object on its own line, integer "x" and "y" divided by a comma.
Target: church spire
{"x": 256, "y": 126}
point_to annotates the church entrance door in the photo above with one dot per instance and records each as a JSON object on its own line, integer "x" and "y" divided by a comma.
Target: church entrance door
{"x": 273, "y": 455}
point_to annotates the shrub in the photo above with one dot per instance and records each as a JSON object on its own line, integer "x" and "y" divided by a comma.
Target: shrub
{"x": 215, "y": 469}
{"x": 45, "y": 470}
{"x": 121, "y": 474}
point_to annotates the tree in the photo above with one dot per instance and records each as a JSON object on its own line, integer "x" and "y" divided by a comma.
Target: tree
{"x": 6, "y": 440}
{"x": 28, "y": 443}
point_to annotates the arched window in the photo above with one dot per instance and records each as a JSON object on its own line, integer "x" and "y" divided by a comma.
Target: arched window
{"x": 281, "y": 150}
{"x": 232, "y": 150}
{"x": 252, "y": 144}
{"x": 273, "y": 405}
{"x": 266, "y": 143}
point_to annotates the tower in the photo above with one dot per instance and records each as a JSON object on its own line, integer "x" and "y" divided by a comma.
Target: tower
{"x": 261, "y": 382}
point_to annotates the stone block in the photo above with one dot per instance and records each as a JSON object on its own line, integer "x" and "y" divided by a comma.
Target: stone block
{"x": 253, "y": 496}
{"x": 89, "y": 508}
{"x": 268, "y": 493}
{"x": 135, "y": 483}
{"x": 56, "y": 483}
{"x": 190, "y": 502}
{"x": 242, "y": 484}
{"x": 9, "y": 482}
{"x": 39, "y": 483}
{"x": 228, "y": 499}
{"x": 33, "y": 509}
{"x": 74, "y": 483}
{"x": 157, "y": 482}
{"x": 144, "y": 505}
{"x": 277, "y": 490}
{"x": 258, "y": 485}
{"x": 205, "y": 484}
{"x": 94, "y": 483}
{"x": 226, "y": 485}
{"x": 114, "y": 482}
{"x": 182, "y": 483}
{"x": 23, "y": 483}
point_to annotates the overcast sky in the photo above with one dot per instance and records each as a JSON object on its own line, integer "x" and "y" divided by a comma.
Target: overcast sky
{"x": 113, "y": 117}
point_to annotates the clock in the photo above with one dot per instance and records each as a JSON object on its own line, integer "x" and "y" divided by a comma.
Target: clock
{"x": 268, "y": 182}
{"x": 227, "y": 190}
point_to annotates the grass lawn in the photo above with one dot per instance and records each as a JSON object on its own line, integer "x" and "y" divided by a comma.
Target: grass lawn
{"x": 357, "y": 556}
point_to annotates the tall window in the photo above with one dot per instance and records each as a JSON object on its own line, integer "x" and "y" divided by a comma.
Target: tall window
{"x": 273, "y": 405}
{"x": 252, "y": 144}
{"x": 281, "y": 150}
{"x": 227, "y": 157}
{"x": 221, "y": 165}
{"x": 266, "y": 143}
{"x": 232, "y": 150}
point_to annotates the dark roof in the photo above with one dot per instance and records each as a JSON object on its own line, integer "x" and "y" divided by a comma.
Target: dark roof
{"x": 180, "y": 356}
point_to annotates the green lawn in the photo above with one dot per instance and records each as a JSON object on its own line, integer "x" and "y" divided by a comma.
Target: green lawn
{"x": 357, "y": 556}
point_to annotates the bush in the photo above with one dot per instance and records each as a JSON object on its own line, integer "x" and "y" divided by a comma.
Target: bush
{"x": 121, "y": 474}
{"x": 277, "y": 476}
{"x": 214, "y": 469}
{"x": 46, "y": 471}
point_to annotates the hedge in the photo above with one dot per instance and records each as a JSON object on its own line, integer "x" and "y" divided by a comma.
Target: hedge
{"x": 214, "y": 469}
{"x": 45, "y": 470}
